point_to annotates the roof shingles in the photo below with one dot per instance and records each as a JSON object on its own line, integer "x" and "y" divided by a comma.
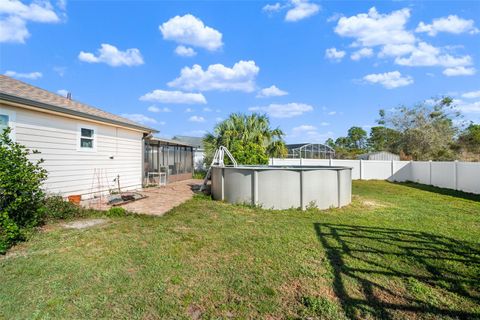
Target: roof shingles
{"x": 16, "y": 88}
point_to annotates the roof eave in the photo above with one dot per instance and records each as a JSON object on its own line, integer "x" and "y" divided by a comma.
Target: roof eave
{"x": 50, "y": 107}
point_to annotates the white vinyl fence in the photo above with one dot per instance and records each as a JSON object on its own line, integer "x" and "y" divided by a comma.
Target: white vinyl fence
{"x": 464, "y": 176}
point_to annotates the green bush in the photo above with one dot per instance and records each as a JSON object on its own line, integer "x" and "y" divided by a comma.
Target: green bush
{"x": 200, "y": 174}
{"x": 21, "y": 196}
{"x": 55, "y": 208}
{"x": 116, "y": 212}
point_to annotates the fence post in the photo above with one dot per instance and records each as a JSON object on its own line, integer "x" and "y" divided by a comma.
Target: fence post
{"x": 361, "y": 169}
{"x": 430, "y": 171}
{"x": 255, "y": 188}
{"x": 302, "y": 189}
{"x": 329, "y": 162}
{"x": 392, "y": 167}
{"x": 301, "y": 161}
{"x": 455, "y": 174}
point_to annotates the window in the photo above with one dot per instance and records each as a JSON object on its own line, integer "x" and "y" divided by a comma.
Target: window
{"x": 7, "y": 119}
{"x": 4, "y": 119}
{"x": 86, "y": 138}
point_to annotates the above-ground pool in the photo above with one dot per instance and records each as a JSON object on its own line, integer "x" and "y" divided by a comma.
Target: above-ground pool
{"x": 283, "y": 187}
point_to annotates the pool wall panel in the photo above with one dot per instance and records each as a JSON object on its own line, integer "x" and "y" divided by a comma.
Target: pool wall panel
{"x": 283, "y": 187}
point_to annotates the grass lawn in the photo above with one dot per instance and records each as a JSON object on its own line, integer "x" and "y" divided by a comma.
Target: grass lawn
{"x": 399, "y": 251}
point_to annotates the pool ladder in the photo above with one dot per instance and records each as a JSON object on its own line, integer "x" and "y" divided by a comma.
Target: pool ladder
{"x": 218, "y": 161}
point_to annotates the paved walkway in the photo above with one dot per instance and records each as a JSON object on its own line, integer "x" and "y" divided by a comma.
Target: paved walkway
{"x": 162, "y": 199}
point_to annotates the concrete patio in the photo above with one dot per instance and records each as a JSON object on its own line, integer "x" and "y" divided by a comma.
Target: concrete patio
{"x": 159, "y": 200}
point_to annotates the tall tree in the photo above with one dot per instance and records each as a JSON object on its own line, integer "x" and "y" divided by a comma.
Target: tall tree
{"x": 249, "y": 138}
{"x": 428, "y": 129}
{"x": 470, "y": 138}
{"x": 357, "y": 138}
{"x": 384, "y": 139}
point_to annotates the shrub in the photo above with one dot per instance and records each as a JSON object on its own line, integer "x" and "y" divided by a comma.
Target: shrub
{"x": 21, "y": 195}
{"x": 55, "y": 207}
{"x": 116, "y": 212}
{"x": 200, "y": 174}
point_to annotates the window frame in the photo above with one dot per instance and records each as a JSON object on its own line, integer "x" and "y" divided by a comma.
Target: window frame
{"x": 11, "y": 121}
{"x": 81, "y": 126}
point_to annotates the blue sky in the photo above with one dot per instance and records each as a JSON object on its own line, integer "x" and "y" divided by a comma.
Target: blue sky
{"x": 182, "y": 66}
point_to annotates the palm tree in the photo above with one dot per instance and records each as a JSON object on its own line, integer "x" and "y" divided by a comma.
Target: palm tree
{"x": 248, "y": 137}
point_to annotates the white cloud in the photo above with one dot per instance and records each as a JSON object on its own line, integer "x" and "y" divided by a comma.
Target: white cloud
{"x": 303, "y": 128}
{"x": 451, "y": 24}
{"x": 374, "y": 29}
{"x": 272, "y": 91}
{"x": 334, "y": 54}
{"x": 301, "y": 9}
{"x": 467, "y": 106}
{"x": 207, "y": 109}
{"x": 185, "y": 51}
{"x": 334, "y": 17}
{"x": 15, "y": 15}
{"x": 396, "y": 50}
{"x": 219, "y": 119}
{"x": 471, "y": 94}
{"x": 196, "y": 119}
{"x": 188, "y": 110}
{"x": 157, "y": 109}
{"x": 195, "y": 133}
{"x": 389, "y": 80}
{"x": 324, "y": 124}
{"x": 31, "y": 75}
{"x": 60, "y": 70}
{"x": 241, "y": 77}
{"x": 272, "y": 7}
{"x": 309, "y": 133}
{"x": 140, "y": 118}
{"x": 425, "y": 54}
{"x": 287, "y": 110}
{"x": 62, "y": 92}
{"x": 332, "y": 113}
{"x": 362, "y": 53}
{"x": 112, "y": 56}
{"x": 190, "y": 30}
{"x": 389, "y": 32}
{"x": 459, "y": 71}
{"x": 164, "y": 96}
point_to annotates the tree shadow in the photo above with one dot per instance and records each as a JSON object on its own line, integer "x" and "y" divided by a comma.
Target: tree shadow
{"x": 392, "y": 273}
{"x": 442, "y": 191}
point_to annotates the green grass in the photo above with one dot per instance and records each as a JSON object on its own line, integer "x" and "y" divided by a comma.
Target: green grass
{"x": 398, "y": 251}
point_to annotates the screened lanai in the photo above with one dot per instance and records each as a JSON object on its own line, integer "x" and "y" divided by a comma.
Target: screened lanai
{"x": 310, "y": 151}
{"x": 167, "y": 161}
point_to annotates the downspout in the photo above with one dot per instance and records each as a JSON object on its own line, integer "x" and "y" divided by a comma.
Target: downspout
{"x": 142, "y": 167}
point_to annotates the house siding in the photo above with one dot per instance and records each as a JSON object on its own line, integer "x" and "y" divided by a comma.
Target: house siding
{"x": 70, "y": 170}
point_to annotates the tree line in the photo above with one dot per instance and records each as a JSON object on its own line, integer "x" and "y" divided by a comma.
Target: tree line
{"x": 431, "y": 130}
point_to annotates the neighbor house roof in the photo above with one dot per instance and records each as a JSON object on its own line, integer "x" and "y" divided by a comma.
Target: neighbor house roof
{"x": 16, "y": 91}
{"x": 197, "y": 142}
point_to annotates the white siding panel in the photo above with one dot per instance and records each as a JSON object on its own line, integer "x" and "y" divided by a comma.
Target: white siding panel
{"x": 421, "y": 172}
{"x": 468, "y": 174}
{"x": 443, "y": 174}
{"x": 376, "y": 169}
{"x": 71, "y": 171}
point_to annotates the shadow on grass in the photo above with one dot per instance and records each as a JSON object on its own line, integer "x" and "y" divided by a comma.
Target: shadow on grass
{"x": 388, "y": 273}
{"x": 442, "y": 191}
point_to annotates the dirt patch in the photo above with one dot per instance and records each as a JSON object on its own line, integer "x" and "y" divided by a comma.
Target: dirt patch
{"x": 194, "y": 311}
{"x": 84, "y": 224}
{"x": 370, "y": 203}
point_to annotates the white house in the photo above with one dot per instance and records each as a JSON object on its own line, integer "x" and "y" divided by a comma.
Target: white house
{"x": 85, "y": 149}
